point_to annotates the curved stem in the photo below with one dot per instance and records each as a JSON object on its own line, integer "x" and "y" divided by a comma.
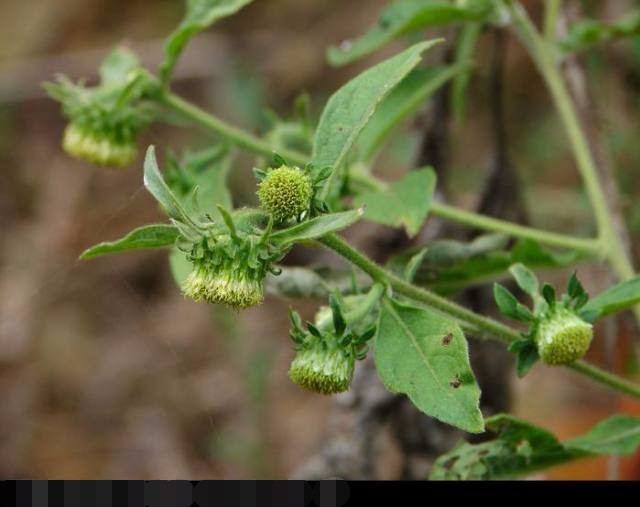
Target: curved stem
{"x": 233, "y": 134}
{"x": 470, "y": 320}
{"x": 585, "y": 245}
{"x": 589, "y": 246}
{"x": 541, "y": 52}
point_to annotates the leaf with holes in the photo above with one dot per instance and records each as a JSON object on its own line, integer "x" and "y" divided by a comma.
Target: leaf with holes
{"x": 424, "y": 355}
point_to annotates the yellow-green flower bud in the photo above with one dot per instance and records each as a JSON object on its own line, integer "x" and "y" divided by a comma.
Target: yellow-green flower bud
{"x": 96, "y": 147}
{"x": 285, "y": 192}
{"x": 562, "y": 337}
{"x": 236, "y": 288}
{"x": 322, "y": 366}
{"x": 229, "y": 272}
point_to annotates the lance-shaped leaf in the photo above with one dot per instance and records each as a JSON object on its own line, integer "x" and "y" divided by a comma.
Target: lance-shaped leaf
{"x": 525, "y": 279}
{"x": 615, "y": 299}
{"x": 620, "y": 434}
{"x": 158, "y": 188}
{"x": 424, "y": 355}
{"x": 509, "y": 305}
{"x": 406, "y": 98}
{"x": 350, "y": 108}
{"x": 148, "y": 236}
{"x": 405, "y": 203}
{"x": 405, "y": 16}
{"x": 316, "y": 227}
{"x": 200, "y": 14}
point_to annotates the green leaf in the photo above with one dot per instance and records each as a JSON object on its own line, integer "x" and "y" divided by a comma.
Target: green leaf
{"x": 405, "y": 203}
{"x": 180, "y": 266}
{"x": 199, "y": 180}
{"x": 463, "y": 57}
{"x": 350, "y": 108}
{"x": 588, "y": 32}
{"x": 615, "y": 299}
{"x": 406, "y": 16}
{"x": 527, "y": 356}
{"x": 525, "y": 279}
{"x": 407, "y": 97}
{"x": 519, "y": 448}
{"x": 619, "y": 434}
{"x": 147, "y": 236}
{"x": 451, "y": 265}
{"x": 200, "y": 14}
{"x": 316, "y": 227}
{"x": 509, "y": 305}
{"x": 115, "y": 69}
{"x": 424, "y": 355}
{"x": 158, "y": 188}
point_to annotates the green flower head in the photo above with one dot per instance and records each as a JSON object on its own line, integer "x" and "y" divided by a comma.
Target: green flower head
{"x": 104, "y": 120}
{"x": 226, "y": 273}
{"x": 325, "y": 359}
{"x": 321, "y": 365}
{"x": 98, "y": 147}
{"x": 562, "y": 337}
{"x": 285, "y": 193}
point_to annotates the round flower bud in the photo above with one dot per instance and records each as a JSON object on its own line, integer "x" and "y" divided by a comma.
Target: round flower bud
{"x": 322, "y": 366}
{"x": 285, "y": 193}
{"x": 96, "y": 147}
{"x": 563, "y": 337}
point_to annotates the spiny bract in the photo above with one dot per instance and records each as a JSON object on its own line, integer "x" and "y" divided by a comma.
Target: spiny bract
{"x": 285, "y": 192}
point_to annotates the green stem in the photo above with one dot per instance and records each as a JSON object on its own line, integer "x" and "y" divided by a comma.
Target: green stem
{"x": 470, "y": 320}
{"x": 586, "y": 245}
{"x": 541, "y": 52}
{"x": 551, "y": 8}
{"x": 224, "y": 130}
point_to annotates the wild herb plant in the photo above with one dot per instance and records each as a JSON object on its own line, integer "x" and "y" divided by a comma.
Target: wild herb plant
{"x": 315, "y": 180}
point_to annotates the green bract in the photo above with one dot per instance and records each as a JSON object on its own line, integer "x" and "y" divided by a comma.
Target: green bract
{"x": 227, "y": 271}
{"x": 285, "y": 192}
{"x": 104, "y": 120}
{"x": 325, "y": 358}
{"x": 562, "y": 337}
{"x": 322, "y": 366}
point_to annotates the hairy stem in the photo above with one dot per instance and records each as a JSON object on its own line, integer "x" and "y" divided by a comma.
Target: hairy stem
{"x": 589, "y": 246}
{"x": 487, "y": 326}
{"x": 226, "y": 131}
{"x": 542, "y": 55}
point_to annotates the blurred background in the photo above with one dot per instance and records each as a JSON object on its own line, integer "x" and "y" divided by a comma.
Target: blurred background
{"x": 106, "y": 371}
